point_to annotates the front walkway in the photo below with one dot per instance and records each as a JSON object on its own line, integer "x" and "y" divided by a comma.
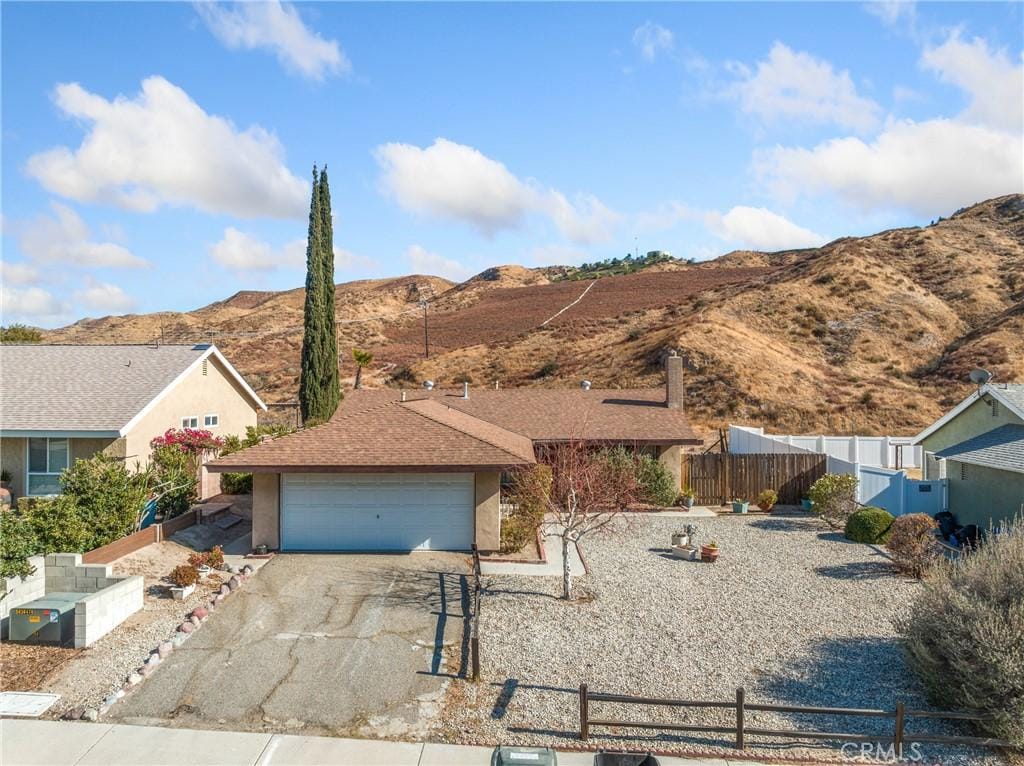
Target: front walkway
{"x": 66, "y": 743}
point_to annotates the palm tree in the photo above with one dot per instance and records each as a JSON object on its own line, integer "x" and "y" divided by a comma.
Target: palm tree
{"x": 362, "y": 358}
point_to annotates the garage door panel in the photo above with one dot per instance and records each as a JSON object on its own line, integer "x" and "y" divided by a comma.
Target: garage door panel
{"x": 377, "y": 511}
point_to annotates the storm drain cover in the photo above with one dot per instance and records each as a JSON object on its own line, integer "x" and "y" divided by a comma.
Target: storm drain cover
{"x": 26, "y": 704}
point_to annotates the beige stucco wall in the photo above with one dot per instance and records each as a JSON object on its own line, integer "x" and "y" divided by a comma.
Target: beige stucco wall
{"x": 488, "y": 510}
{"x": 266, "y": 498}
{"x": 671, "y": 456}
{"x": 973, "y": 421}
{"x": 14, "y": 454}
{"x": 197, "y": 395}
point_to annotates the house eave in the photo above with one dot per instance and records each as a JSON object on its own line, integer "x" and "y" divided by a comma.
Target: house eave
{"x": 38, "y": 433}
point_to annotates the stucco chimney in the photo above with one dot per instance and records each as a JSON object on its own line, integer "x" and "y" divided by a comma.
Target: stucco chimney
{"x": 674, "y": 381}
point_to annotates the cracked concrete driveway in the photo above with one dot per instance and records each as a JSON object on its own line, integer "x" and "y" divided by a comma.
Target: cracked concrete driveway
{"x": 357, "y": 645}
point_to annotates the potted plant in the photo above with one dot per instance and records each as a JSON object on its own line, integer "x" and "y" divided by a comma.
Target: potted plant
{"x": 183, "y": 578}
{"x": 739, "y": 505}
{"x": 687, "y": 552}
{"x": 680, "y": 538}
{"x": 201, "y": 563}
{"x": 5, "y": 479}
{"x": 806, "y": 504}
{"x": 215, "y": 557}
{"x": 687, "y": 497}
{"x": 767, "y": 500}
{"x": 709, "y": 552}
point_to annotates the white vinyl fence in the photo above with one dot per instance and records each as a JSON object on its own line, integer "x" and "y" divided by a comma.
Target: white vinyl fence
{"x": 877, "y": 485}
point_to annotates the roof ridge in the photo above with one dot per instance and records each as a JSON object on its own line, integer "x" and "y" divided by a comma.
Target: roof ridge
{"x": 459, "y": 430}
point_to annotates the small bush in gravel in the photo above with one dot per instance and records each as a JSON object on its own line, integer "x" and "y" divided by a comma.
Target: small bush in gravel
{"x": 964, "y": 636}
{"x": 834, "y": 497}
{"x": 522, "y": 523}
{"x": 869, "y": 525}
{"x": 912, "y": 543}
{"x": 184, "y": 575}
{"x": 656, "y": 485}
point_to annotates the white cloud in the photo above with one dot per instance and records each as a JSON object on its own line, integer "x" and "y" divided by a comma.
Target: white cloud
{"x": 240, "y": 251}
{"x": 652, "y": 38}
{"x": 931, "y": 167}
{"x": 18, "y": 273}
{"x": 893, "y": 12}
{"x": 104, "y": 298}
{"x": 459, "y": 182}
{"x": 31, "y": 304}
{"x": 277, "y": 27}
{"x": 423, "y": 261}
{"x": 162, "y": 148}
{"x": 792, "y": 85}
{"x": 994, "y": 83}
{"x": 760, "y": 229}
{"x": 666, "y": 216}
{"x": 65, "y": 238}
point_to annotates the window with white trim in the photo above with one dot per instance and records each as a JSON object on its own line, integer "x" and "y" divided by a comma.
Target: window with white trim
{"x": 211, "y": 421}
{"x": 47, "y": 457}
{"x": 191, "y": 421}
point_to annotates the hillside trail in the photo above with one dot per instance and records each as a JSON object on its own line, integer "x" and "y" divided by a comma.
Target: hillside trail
{"x": 569, "y": 306}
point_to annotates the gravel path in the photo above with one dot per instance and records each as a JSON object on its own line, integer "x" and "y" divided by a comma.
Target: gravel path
{"x": 791, "y": 611}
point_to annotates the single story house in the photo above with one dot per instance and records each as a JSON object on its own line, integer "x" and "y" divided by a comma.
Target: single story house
{"x": 978, "y": 447}
{"x": 59, "y": 403}
{"x": 407, "y": 470}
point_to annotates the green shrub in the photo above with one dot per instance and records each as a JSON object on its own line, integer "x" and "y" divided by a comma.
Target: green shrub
{"x": 869, "y": 525}
{"x": 236, "y": 483}
{"x": 17, "y": 544}
{"x": 520, "y": 526}
{"x": 834, "y": 497}
{"x": 767, "y": 499}
{"x": 912, "y": 543}
{"x": 657, "y": 485}
{"x": 546, "y": 370}
{"x": 241, "y": 483}
{"x": 964, "y": 635}
{"x": 108, "y": 497}
{"x": 58, "y": 525}
{"x": 19, "y": 333}
{"x": 174, "y": 473}
{"x": 184, "y": 575}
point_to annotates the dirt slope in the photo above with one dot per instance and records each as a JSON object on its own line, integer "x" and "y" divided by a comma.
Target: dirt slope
{"x": 865, "y": 334}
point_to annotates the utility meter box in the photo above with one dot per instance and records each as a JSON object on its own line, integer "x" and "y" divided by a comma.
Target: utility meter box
{"x": 48, "y": 620}
{"x": 524, "y": 756}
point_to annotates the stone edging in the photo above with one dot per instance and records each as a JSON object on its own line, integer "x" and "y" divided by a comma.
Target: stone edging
{"x": 191, "y": 623}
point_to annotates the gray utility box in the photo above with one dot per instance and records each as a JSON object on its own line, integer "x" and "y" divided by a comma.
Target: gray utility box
{"x": 523, "y": 756}
{"x": 48, "y": 620}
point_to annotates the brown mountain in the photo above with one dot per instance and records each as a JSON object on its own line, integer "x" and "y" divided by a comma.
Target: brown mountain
{"x": 865, "y": 334}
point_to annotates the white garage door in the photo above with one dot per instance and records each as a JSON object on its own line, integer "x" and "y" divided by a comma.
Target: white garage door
{"x": 377, "y": 511}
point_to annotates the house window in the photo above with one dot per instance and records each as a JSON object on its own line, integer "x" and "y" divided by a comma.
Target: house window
{"x": 46, "y": 459}
{"x": 211, "y": 421}
{"x": 192, "y": 421}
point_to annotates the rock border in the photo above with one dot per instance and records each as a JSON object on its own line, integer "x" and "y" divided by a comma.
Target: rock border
{"x": 189, "y": 625}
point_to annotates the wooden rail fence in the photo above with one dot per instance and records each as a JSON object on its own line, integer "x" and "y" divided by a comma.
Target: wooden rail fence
{"x": 720, "y": 476}
{"x": 898, "y": 737}
{"x": 474, "y": 626}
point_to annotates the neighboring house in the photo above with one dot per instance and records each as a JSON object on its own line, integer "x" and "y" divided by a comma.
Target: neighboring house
{"x": 62, "y": 403}
{"x": 978, "y": 446}
{"x": 406, "y": 470}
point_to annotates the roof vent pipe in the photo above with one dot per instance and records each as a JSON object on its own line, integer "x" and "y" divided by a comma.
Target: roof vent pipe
{"x": 428, "y": 384}
{"x": 585, "y": 385}
{"x": 465, "y": 390}
{"x": 403, "y": 394}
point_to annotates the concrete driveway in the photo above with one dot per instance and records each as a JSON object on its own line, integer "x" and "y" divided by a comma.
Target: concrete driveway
{"x": 359, "y": 645}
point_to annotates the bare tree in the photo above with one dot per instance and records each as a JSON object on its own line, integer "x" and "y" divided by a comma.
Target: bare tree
{"x": 576, "y": 491}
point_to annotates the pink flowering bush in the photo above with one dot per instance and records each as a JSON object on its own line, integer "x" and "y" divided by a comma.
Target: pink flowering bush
{"x": 192, "y": 440}
{"x": 176, "y": 458}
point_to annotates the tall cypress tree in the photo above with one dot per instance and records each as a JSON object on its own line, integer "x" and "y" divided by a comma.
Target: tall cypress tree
{"x": 331, "y": 383}
{"x": 311, "y": 397}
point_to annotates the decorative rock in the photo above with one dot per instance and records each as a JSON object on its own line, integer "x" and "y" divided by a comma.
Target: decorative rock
{"x": 164, "y": 649}
{"x": 186, "y": 627}
{"x": 74, "y": 714}
{"x": 213, "y": 603}
{"x": 133, "y": 678}
{"x": 233, "y": 569}
{"x": 200, "y": 612}
{"x": 195, "y": 621}
{"x": 153, "y": 659}
{"x": 110, "y": 700}
{"x": 179, "y": 639}
{"x": 92, "y": 714}
{"x": 233, "y": 583}
{"x": 247, "y": 570}
{"x": 146, "y": 670}
{"x": 219, "y": 597}
{"x": 225, "y": 589}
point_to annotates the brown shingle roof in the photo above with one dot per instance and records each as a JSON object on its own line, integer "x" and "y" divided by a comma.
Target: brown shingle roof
{"x": 439, "y": 430}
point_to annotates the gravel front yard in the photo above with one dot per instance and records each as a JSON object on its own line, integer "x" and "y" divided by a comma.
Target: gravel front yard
{"x": 791, "y": 611}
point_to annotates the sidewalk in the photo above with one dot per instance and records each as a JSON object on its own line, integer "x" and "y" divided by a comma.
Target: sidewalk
{"x": 72, "y": 743}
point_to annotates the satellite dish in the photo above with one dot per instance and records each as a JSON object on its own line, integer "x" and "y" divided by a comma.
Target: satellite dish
{"x": 980, "y": 377}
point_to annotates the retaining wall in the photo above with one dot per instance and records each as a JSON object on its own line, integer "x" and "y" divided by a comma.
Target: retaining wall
{"x": 111, "y": 600}
{"x": 22, "y": 591}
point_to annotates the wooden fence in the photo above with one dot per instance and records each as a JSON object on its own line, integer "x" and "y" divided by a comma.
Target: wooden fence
{"x": 719, "y": 477}
{"x": 154, "y": 533}
{"x": 474, "y": 626}
{"x": 739, "y": 728}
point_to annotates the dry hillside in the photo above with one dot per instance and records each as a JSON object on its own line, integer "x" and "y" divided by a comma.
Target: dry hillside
{"x": 866, "y": 334}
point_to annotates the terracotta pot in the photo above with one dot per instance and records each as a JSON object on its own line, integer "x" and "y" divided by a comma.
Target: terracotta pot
{"x": 707, "y": 553}
{"x": 766, "y": 508}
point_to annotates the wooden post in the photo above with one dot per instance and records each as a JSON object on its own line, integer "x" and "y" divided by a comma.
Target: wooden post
{"x": 474, "y": 650}
{"x": 584, "y": 713}
{"x": 897, "y": 737}
{"x": 740, "y": 744}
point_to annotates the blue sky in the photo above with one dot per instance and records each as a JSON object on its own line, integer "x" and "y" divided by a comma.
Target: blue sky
{"x": 157, "y": 156}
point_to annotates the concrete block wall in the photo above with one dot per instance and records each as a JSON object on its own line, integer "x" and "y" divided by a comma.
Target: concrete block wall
{"x": 22, "y": 591}
{"x": 111, "y": 599}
